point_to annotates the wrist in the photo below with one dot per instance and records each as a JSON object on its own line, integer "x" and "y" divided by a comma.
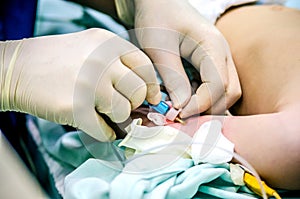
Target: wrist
{"x": 9, "y": 52}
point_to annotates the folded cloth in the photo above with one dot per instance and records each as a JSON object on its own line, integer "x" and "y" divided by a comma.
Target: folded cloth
{"x": 208, "y": 144}
{"x": 65, "y": 151}
{"x": 159, "y": 166}
{"x": 102, "y": 171}
{"x": 181, "y": 179}
{"x": 75, "y": 147}
{"x": 157, "y": 139}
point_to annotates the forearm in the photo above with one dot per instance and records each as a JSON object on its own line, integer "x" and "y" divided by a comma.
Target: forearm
{"x": 270, "y": 143}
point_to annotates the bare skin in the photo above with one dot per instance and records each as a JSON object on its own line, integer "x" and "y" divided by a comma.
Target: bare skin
{"x": 265, "y": 45}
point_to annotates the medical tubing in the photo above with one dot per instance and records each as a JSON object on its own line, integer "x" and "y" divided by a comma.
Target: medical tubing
{"x": 252, "y": 183}
{"x": 235, "y": 155}
{"x": 276, "y": 195}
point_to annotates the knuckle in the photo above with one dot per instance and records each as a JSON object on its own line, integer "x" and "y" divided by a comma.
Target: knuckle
{"x": 237, "y": 93}
{"x": 95, "y": 31}
{"x": 234, "y": 94}
{"x": 99, "y": 33}
{"x": 138, "y": 95}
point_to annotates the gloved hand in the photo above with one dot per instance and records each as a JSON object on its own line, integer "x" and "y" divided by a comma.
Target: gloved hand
{"x": 70, "y": 79}
{"x": 170, "y": 29}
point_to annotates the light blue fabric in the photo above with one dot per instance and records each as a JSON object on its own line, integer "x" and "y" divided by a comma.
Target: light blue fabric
{"x": 75, "y": 147}
{"x": 98, "y": 179}
{"x": 60, "y": 17}
{"x": 140, "y": 183}
{"x": 91, "y": 180}
{"x": 100, "y": 170}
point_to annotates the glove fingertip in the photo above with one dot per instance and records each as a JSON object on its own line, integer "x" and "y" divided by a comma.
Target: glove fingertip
{"x": 190, "y": 109}
{"x": 154, "y": 99}
{"x": 119, "y": 110}
{"x": 180, "y": 100}
{"x": 185, "y": 113}
{"x": 106, "y": 133}
{"x": 111, "y": 136}
{"x": 99, "y": 129}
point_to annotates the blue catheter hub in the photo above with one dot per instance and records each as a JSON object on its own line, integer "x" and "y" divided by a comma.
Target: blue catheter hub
{"x": 161, "y": 108}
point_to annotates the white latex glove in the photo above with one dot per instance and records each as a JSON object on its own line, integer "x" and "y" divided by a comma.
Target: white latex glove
{"x": 170, "y": 29}
{"x": 70, "y": 79}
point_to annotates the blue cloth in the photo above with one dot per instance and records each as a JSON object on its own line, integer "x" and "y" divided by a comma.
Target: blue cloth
{"x": 17, "y": 18}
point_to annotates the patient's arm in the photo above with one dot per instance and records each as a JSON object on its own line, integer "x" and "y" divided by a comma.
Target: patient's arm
{"x": 270, "y": 142}
{"x": 265, "y": 45}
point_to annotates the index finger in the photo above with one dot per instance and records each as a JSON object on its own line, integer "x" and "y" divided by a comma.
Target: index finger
{"x": 162, "y": 46}
{"x": 214, "y": 77}
{"x": 208, "y": 54}
{"x": 139, "y": 63}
